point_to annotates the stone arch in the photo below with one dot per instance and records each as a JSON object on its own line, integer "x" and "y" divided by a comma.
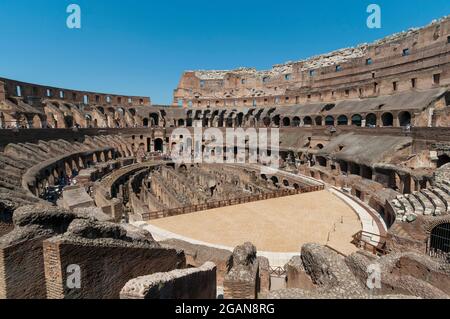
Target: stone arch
{"x": 267, "y": 121}
{"x": 342, "y": 120}
{"x": 286, "y": 121}
{"x": 404, "y": 118}
{"x": 240, "y": 119}
{"x": 296, "y": 121}
{"x": 274, "y": 180}
{"x": 443, "y": 160}
{"x": 357, "y": 120}
{"x": 181, "y": 122}
{"x": 329, "y": 121}
{"x": 276, "y": 120}
{"x": 154, "y": 118}
{"x": 439, "y": 240}
{"x": 88, "y": 119}
{"x": 145, "y": 122}
{"x": 387, "y": 119}
{"x": 307, "y": 120}
{"x": 159, "y": 145}
{"x": 318, "y": 120}
{"x": 371, "y": 120}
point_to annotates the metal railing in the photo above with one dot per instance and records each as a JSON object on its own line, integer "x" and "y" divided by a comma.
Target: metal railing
{"x": 277, "y": 271}
{"x": 229, "y": 202}
{"x": 360, "y": 241}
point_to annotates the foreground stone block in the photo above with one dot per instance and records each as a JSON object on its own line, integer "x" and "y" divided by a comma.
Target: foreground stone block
{"x": 21, "y": 253}
{"x": 197, "y": 255}
{"x": 296, "y": 275}
{"x": 264, "y": 276}
{"x": 329, "y": 272}
{"x": 106, "y": 255}
{"x": 241, "y": 279}
{"x": 192, "y": 283}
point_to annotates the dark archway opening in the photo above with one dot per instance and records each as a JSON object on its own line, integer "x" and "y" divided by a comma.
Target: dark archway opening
{"x": 371, "y": 120}
{"x": 387, "y": 119}
{"x": 440, "y": 239}
{"x": 357, "y": 120}
{"x": 159, "y": 145}
{"x": 442, "y": 160}
{"x": 404, "y": 118}
{"x": 329, "y": 121}
{"x": 342, "y": 120}
{"x": 296, "y": 121}
{"x": 307, "y": 120}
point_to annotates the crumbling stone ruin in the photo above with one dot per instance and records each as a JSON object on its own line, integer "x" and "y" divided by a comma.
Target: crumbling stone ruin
{"x": 82, "y": 175}
{"x": 176, "y": 284}
{"x": 322, "y": 273}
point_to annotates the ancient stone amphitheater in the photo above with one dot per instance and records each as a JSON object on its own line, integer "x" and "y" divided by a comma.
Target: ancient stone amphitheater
{"x": 93, "y": 205}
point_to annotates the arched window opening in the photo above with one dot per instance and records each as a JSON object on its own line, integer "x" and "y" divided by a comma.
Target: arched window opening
{"x": 329, "y": 121}
{"x": 357, "y": 120}
{"x": 342, "y": 120}
{"x": 387, "y": 119}
{"x": 404, "y": 118}
{"x": 371, "y": 120}
{"x": 307, "y": 120}
{"x": 318, "y": 120}
{"x": 440, "y": 241}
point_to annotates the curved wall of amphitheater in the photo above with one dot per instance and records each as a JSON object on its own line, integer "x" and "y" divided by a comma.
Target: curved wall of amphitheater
{"x": 365, "y": 130}
{"x": 416, "y": 59}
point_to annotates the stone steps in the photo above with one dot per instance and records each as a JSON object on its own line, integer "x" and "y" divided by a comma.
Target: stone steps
{"x": 407, "y": 207}
{"x": 444, "y": 187}
{"x": 429, "y": 208}
{"x": 443, "y": 196}
{"x": 415, "y": 203}
{"x": 437, "y": 202}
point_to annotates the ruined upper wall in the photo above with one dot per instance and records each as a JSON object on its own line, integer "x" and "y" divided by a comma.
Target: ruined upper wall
{"x": 415, "y": 59}
{"x": 32, "y": 93}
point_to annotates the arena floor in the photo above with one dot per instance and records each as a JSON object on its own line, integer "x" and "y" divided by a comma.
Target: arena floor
{"x": 275, "y": 225}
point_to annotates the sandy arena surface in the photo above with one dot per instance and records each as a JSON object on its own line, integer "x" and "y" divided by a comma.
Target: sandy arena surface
{"x": 276, "y": 225}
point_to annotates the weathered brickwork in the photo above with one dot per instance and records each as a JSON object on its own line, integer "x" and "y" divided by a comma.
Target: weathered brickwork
{"x": 192, "y": 283}
{"x": 105, "y": 269}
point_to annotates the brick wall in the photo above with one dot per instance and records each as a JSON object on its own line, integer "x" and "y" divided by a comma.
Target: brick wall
{"x": 22, "y": 270}
{"x": 242, "y": 288}
{"x": 192, "y": 283}
{"x": 105, "y": 268}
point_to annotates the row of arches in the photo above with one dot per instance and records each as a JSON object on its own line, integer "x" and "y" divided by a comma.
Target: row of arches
{"x": 234, "y": 119}
{"x": 371, "y": 119}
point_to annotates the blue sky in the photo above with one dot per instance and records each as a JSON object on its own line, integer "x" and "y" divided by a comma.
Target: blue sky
{"x": 138, "y": 47}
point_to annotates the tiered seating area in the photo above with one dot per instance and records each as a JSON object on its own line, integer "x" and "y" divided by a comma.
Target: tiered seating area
{"x": 26, "y": 169}
{"x": 432, "y": 201}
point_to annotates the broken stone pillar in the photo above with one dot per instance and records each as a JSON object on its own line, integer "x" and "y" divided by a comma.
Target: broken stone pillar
{"x": 264, "y": 276}
{"x": 106, "y": 256}
{"x": 192, "y": 283}
{"x": 241, "y": 280}
{"x": 296, "y": 275}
